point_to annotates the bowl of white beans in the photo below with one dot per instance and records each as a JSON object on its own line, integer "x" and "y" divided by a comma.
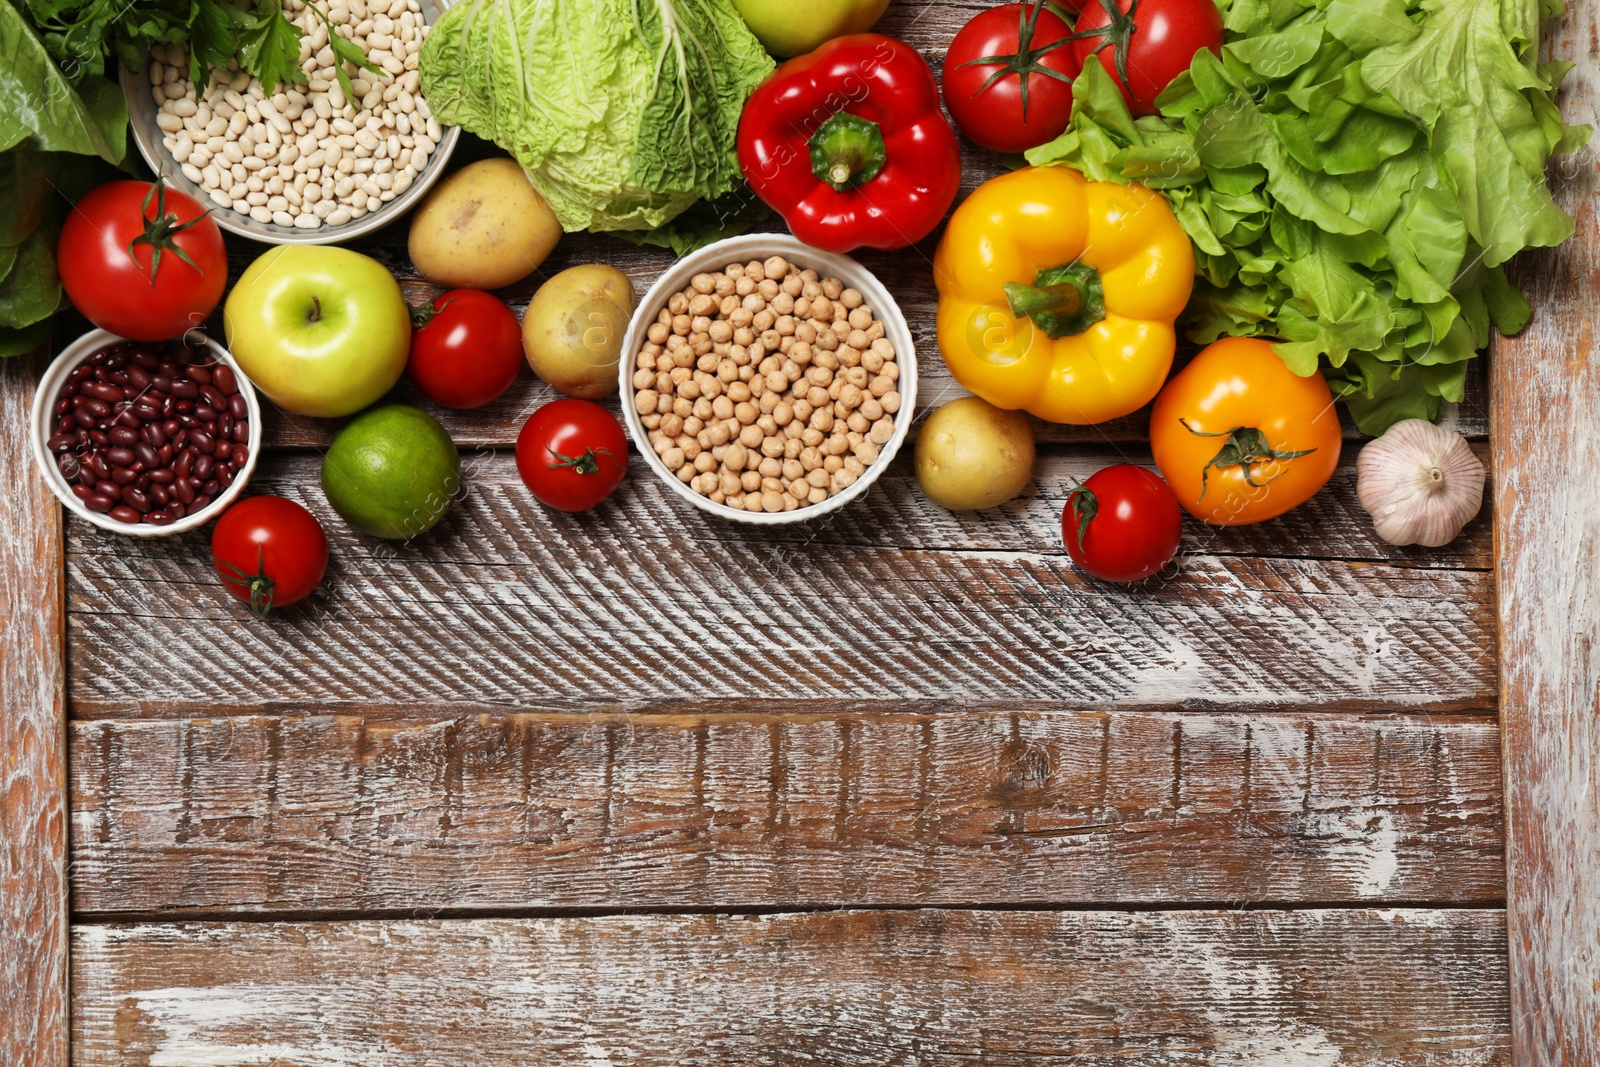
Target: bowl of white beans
{"x": 298, "y": 163}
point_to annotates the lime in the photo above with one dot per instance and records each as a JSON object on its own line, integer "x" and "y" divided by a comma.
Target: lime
{"x": 392, "y": 472}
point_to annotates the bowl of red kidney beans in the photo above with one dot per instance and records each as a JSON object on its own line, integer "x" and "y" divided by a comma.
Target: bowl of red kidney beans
{"x": 142, "y": 438}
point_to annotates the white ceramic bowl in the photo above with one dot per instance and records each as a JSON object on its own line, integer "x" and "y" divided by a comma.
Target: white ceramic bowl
{"x": 43, "y": 422}
{"x": 743, "y": 249}
{"x": 147, "y": 135}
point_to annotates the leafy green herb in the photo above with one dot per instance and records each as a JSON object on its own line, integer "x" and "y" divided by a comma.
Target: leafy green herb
{"x": 1354, "y": 175}
{"x": 346, "y": 51}
{"x": 269, "y": 47}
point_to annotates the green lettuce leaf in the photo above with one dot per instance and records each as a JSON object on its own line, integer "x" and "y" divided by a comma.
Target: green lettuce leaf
{"x": 1353, "y": 174}
{"x": 623, "y": 114}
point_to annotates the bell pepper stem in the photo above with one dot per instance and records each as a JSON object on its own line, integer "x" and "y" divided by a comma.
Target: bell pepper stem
{"x": 1062, "y": 300}
{"x": 1067, "y": 299}
{"x": 847, "y": 151}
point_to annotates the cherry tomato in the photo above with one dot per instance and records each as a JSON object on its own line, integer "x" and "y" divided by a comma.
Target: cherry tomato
{"x": 143, "y": 261}
{"x": 466, "y": 349}
{"x": 1150, "y": 44}
{"x": 571, "y": 454}
{"x": 270, "y": 552}
{"x": 1123, "y": 524}
{"x": 1241, "y": 437}
{"x": 1008, "y": 76}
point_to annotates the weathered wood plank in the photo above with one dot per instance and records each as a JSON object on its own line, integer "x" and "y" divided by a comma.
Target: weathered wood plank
{"x": 33, "y": 819}
{"x": 507, "y": 602}
{"x": 1547, "y": 533}
{"x": 1094, "y": 989}
{"x": 349, "y": 815}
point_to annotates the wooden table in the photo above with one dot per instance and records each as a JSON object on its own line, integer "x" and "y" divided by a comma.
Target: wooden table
{"x": 899, "y": 786}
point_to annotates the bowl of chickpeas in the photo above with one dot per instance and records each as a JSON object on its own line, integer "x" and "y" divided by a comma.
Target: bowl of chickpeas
{"x": 766, "y": 381}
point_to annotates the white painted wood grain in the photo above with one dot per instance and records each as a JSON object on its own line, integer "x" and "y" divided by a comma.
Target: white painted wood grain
{"x": 637, "y": 602}
{"x": 348, "y": 815}
{"x": 1364, "y": 988}
{"x": 1546, "y": 438}
{"x": 33, "y": 821}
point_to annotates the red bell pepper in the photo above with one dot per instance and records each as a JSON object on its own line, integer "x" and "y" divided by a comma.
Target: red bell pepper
{"x": 848, "y": 144}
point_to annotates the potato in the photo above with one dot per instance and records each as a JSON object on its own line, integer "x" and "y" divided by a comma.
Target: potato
{"x": 971, "y": 454}
{"x": 482, "y": 227}
{"x": 572, "y": 331}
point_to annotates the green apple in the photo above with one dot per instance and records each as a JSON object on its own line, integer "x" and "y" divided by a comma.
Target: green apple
{"x": 790, "y": 29}
{"x": 321, "y": 331}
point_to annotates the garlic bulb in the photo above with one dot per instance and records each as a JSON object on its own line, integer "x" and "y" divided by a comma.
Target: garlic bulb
{"x": 1420, "y": 483}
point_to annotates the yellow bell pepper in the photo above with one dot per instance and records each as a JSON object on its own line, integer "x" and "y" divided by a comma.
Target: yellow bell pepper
{"x": 1057, "y": 295}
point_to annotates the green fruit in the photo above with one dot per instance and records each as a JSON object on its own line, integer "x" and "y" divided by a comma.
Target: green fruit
{"x": 322, "y": 331}
{"x": 788, "y": 29}
{"x": 393, "y": 472}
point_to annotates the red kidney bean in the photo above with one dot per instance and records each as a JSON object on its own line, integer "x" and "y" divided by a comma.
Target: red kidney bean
{"x": 137, "y": 430}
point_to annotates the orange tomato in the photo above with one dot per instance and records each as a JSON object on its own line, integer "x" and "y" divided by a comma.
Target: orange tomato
{"x": 1240, "y": 437}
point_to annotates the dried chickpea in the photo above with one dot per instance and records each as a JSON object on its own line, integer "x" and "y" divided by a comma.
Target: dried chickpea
{"x": 767, "y": 387}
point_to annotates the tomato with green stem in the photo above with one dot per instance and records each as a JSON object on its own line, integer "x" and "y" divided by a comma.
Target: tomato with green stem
{"x": 1123, "y": 524}
{"x": 270, "y": 552}
{"x": 1008, "y": 76}
{"x": 466, "y": 348}
{"x": 571, "y": 454}
{"x": 141, "y": 260}
{"x": 1144, "y": 44}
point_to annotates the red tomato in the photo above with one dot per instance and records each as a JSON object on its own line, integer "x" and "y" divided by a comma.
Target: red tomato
{"x": 467, "y": 349}
{"x": 1153, "y": 44}
{"x": 571, "y": 454}
{"x": 1123, "y": 524}
{"x": 1008, "y": 77}
{"x": 270, "y": 552}
{"x": 141, "y": 260}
